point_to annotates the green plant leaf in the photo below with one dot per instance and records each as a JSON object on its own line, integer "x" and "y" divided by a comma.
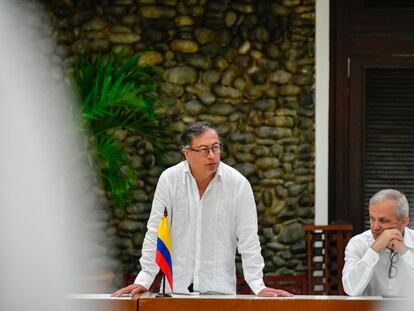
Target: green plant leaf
{"x": 116, "y": 93}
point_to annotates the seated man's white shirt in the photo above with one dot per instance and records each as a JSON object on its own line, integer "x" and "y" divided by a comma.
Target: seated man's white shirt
{"x": 365, "y": 271}
{"x": 205, "y": 232}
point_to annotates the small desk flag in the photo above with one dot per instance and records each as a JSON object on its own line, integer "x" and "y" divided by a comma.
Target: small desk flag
{"x": 163, "y": 255}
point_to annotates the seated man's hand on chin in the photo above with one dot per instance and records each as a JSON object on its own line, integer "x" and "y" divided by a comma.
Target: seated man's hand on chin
{"x": 271, "y": 292}
{"x": 385, "y": 238}
{"x": 133, "y": 290}
{"x": 397, "y": 246}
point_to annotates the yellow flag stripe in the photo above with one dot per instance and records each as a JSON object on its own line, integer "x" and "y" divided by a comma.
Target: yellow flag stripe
{"x": 164, "y": 233}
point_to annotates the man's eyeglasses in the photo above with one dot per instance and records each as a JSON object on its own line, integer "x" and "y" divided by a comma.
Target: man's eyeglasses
{"x": 205, "y": 151}
{"x": 392, "y": 270}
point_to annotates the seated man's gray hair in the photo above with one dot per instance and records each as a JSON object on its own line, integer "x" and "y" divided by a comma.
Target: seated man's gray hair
{"x": 392, "y": 195}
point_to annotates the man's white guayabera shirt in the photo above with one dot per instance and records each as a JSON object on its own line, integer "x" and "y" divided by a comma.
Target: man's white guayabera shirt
{"x": 366, "y": 272}
{"x": 205, "y": 232}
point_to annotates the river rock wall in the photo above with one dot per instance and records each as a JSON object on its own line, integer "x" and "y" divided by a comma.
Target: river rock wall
{"x": 247, "y": 67}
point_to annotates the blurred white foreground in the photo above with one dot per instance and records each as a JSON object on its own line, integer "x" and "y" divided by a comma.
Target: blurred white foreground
{"x": 40, "y": 190}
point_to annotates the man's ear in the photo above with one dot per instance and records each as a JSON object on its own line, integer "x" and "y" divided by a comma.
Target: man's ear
{"x": 185, "y": 152}
{"x": 405, "y": 221}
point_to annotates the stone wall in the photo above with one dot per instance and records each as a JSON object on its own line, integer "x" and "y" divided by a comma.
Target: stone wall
{"x": 246, "y": 66}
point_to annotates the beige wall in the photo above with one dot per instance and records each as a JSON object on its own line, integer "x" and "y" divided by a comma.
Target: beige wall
{"x": 321, "y": 111}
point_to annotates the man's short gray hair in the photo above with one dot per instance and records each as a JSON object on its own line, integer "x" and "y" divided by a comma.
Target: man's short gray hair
{"x": 194, "y": 130}
{"x": 392, "y": 195}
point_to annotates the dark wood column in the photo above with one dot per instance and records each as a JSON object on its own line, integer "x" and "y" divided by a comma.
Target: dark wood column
{"x": 372, "y": 51}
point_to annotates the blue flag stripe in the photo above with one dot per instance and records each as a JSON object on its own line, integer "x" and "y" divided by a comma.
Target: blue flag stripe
{"x": 164, "y": 251}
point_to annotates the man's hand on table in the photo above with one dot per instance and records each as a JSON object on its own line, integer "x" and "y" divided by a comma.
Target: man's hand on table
{"x": 133, "y": 290}
{"x": 271, "y": 292}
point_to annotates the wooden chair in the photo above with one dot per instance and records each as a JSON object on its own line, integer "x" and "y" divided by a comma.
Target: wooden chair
{"x": 325, "y": 257}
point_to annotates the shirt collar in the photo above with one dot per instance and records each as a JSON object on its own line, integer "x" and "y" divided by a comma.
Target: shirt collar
{"x": 187, "y": 167}
{"x": 408, "y": 238}
{"x": 220, "y": 171}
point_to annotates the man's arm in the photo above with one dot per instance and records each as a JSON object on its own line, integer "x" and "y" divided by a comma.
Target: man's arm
{"x": 358, "y": 268}
{"x": 149, "y": 268}
{"x": 249, "y": 244}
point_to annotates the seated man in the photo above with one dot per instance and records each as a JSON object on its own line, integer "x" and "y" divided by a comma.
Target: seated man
{"x": 211, "y": 211}
{"x": 380, "y": 261}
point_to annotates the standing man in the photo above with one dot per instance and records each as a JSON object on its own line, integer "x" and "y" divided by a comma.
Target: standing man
{"x": 211, "y": 211}
{"x": 380, "y": 261}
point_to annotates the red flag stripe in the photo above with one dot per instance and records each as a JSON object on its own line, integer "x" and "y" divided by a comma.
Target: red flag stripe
{"x": 165, "y": 268}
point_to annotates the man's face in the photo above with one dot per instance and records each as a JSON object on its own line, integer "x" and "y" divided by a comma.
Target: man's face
{"x": 383, "y": 215}
{"x": 203, "y": 166}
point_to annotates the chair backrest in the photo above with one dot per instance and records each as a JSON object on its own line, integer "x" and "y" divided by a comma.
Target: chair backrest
{"x": 325, "y": 257}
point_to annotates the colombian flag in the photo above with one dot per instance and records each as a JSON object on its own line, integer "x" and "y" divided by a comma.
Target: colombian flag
{"x": 163, "y": 255}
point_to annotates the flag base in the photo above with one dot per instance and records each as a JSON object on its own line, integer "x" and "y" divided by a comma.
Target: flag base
{"x": 160, "y": 295}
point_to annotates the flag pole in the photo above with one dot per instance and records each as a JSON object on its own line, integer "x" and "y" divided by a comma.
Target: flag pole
{"x": 163, "y": 294}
